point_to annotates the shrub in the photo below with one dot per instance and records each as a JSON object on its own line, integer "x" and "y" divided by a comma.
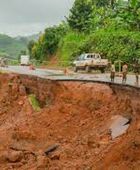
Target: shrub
{"x": 69, "y": 45}
{"x": 34, "y": 102}
{"x": 113, "y": 44}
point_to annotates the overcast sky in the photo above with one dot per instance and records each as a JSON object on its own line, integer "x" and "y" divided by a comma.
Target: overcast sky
{"x": 25, "y": 17}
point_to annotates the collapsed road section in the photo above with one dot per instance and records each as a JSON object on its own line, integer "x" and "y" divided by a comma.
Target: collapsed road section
{"x": 70, "y": 125}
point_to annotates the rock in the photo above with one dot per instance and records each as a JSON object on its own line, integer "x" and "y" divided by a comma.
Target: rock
{"x": 119, "y": 126}
{"x": 136, "y": 141}
{"x": 2, "y": 157}
{"x": 21, "y": 103}
{"x": 42, "y": 162}
{"x": 15, "y": 87}
{"x": 92, "y": 143}
{"x": 14, "y": 156}
{"x": 55, "y": 156}
{"x": 16, "y": 165}
{"x": 22, "y": 90}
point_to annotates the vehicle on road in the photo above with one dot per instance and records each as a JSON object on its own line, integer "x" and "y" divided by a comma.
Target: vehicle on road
{"x": 3, "y": 62}
{"x": 90, "y": 61}
{"x": 25, "y": 60}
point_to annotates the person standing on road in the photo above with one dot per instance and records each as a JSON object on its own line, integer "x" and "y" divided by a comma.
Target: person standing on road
{"x": 136, "y": 67}
{"x": 124, "y": 72}
{"x": 112, "y": 73}
{"x": 137, "y": 78}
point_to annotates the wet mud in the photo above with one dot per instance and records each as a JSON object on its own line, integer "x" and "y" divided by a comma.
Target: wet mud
{"x": 72, "y": 128}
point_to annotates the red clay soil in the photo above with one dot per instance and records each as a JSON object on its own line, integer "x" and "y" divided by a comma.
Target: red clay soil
{"x": 74, "y": 116}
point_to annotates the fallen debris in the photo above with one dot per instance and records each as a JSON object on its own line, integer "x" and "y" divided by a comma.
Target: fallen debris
{"x": 51, "y": 149}
{"x": 119, "y": 126}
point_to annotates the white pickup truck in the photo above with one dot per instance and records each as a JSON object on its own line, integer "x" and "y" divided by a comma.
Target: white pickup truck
{"x": 90, "y": 61}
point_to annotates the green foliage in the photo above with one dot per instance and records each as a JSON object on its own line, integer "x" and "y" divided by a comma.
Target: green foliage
{"x": 11, "y": 46}
{"x": 80, "y": 15}
{"x": 3, "y": 54}
{"x": 34, "y": 102}
{"x": 101, "y": 3}
{"x": 112, "y": 44}
{"x": 69, "y": 45}
{"x": 52, "y": 37}
{"x": 109, "y": 27}
{"x": 48, "y": 42}
{"x": 105, "y": 3}
{"x": 129, "y": 15}
{"x": 30, "y": 46}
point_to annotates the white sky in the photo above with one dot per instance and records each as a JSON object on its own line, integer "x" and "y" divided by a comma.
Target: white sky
{"x": 26, "y": 17}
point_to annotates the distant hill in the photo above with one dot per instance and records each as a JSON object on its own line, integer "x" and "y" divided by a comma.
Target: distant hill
{"x": 30, "y": 37}
{"x": 12, "y": 47}
{"x": 33, "y": 37}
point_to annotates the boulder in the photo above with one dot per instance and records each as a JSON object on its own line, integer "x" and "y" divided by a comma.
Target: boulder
{"x": 14, "y": 156}
{"x": 22, "y": 90}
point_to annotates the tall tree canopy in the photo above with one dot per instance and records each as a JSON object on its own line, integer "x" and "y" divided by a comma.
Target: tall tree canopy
{"x": 80, "y": 15}
{"x": 110, "y": 27}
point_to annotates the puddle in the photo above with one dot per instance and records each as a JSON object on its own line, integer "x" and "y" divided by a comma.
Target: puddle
{"x": 119, "y": 126}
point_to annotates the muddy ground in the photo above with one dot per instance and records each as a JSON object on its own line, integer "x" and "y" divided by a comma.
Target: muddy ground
{"x": 71, "y": 130}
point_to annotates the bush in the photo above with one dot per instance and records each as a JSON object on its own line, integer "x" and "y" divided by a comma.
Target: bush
{"x": 47, "y": 44}
{"x": 69, "y": 45}
{"x": 113, "y": 44}
{"x": 34, "y": 102}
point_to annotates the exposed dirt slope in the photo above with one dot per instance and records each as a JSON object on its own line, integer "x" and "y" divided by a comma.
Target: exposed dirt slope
{"x": 75, "y": 117}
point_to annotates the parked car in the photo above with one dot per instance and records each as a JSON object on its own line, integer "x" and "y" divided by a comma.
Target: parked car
{"x": 3, "y": 62}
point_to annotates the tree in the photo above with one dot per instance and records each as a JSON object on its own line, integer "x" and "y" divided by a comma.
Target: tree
{"x": 130, "y": 14}
{"x": 113, "y": 24}
{"x": 51, "y": 38}
{"x": 80, "y": 15}
{"x": 105, "y": 3}
{"x": 101, "y": 3}
{"x": 30, "y": 46}
{"x": 48, "y": 42}
{"x": 22, "y": 52}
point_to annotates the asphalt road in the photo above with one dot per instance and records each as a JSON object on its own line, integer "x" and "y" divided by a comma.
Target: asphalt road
{"x": 59, "y": 75}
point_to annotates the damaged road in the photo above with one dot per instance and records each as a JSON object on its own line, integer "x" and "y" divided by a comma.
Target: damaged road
{"x": 76, "y": 125}
{"x": 59, "y": 75}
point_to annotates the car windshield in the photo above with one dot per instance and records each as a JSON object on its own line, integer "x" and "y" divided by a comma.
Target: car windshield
{"x": 81, "y": 57}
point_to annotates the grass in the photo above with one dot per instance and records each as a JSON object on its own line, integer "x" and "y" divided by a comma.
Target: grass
{"x": 34, "y": 102}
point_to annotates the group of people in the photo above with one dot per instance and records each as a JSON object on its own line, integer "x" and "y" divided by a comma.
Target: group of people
{"x": 124, "y": 73}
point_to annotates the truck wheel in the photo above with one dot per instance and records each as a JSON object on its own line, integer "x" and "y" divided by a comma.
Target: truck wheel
{"x": 75, "y": 69}
{"x": 103, "y": 70}
{"x": 87, "y": 69}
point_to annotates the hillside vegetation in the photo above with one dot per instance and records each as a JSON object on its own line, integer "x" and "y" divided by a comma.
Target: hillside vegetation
{"x": 108, "y": 27}
{"x": 12, "y": 47}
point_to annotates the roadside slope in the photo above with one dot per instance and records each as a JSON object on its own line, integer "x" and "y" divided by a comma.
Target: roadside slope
{"x": 75, "y": 116}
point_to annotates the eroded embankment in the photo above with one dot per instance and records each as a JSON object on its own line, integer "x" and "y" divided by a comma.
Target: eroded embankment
{"x": 73, "y": 119}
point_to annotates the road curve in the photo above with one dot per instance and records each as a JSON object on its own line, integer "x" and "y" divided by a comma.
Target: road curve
{"x": 59, "y": 75}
